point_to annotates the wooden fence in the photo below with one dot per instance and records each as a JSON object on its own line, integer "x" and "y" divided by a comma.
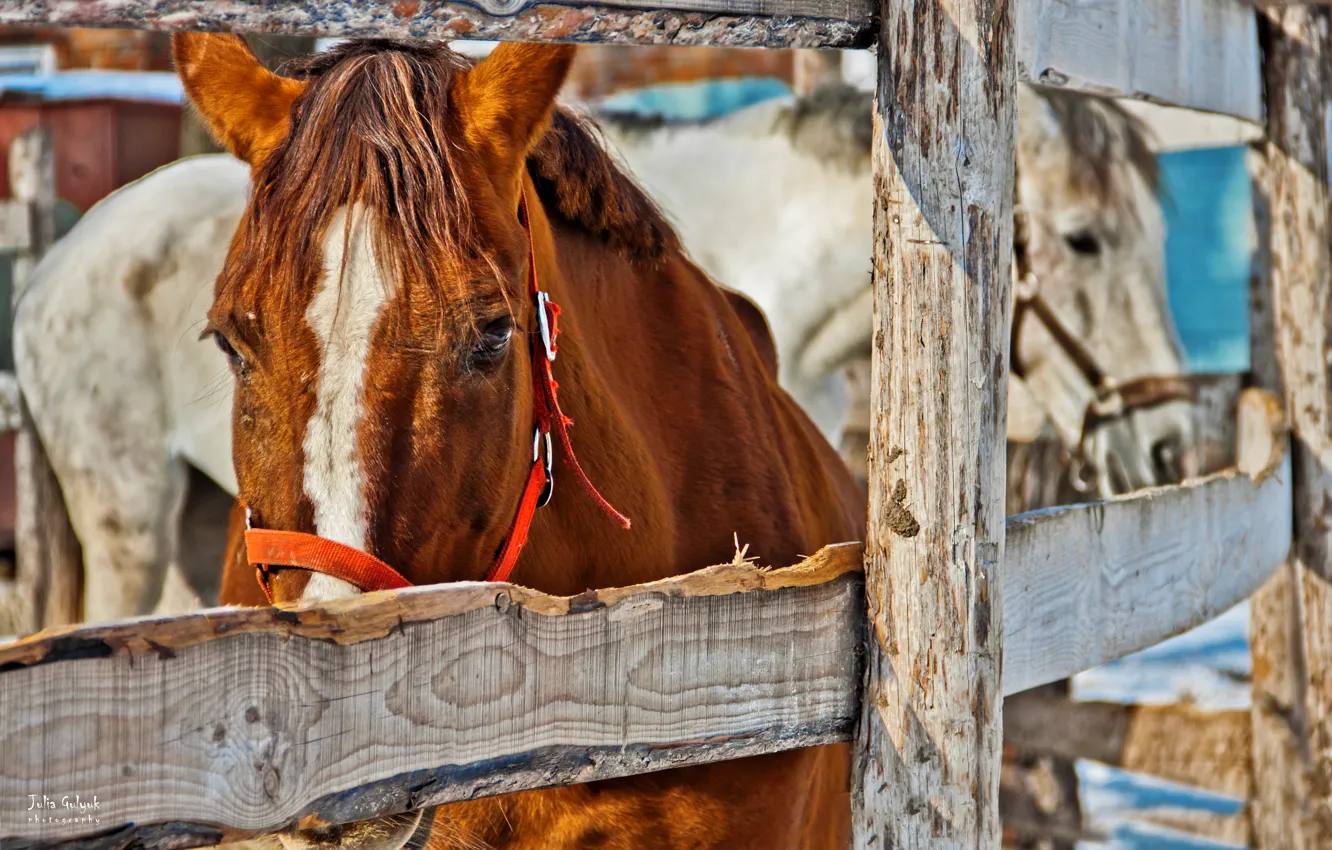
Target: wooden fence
{"x": 202, "y": 725}
{"x": 48, "y": 582}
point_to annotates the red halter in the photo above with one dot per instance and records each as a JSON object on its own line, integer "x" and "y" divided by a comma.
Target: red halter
{"x": 267, "y": 549}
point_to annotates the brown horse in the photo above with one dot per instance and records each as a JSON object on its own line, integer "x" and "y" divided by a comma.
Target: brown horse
{"x": 376, "y": 306}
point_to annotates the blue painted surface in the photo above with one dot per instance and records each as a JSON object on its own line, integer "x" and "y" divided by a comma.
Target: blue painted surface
{"x": 697, "y": 100}
{"x": 1207, "y": 200}
{"x": 159, "y": 86}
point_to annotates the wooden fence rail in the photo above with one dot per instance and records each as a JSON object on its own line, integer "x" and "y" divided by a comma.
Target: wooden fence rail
{"x": 1092, "y": 583}
{"x": 1200, "y": 54}
{"x": 228, "y": 722}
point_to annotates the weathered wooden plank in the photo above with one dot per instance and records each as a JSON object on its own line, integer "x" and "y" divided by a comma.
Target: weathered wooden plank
{"x": 928, "y": 747}
{"x": 47, "y": 587}
{"x": 741, "y": 23}
{"x": 15, "y": 226}
{"x": 254, "y": 718}
{"x": 1200, "y": 54}
{"x": 332, "y": 713}
{"x": 1181, "y": 743}
{"x": 31, "y": 168}
{"x": 1095, "y": 582}
{"x": 1291, "y": 632}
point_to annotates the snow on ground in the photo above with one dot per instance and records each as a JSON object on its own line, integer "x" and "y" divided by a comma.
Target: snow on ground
{"x": 1210, "y": 666}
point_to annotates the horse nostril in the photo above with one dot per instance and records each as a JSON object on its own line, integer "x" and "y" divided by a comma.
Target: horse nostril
{"x": 1168, "y": 459}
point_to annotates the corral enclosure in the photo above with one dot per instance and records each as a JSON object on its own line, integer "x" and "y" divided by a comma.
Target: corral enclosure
{"x": 1050, "y": 593}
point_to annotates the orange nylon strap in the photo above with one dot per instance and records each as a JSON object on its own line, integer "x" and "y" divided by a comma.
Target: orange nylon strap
{"x": 549, "y": 416}
{"x": 266, "y": 548}
{"x": 517, "y": 539}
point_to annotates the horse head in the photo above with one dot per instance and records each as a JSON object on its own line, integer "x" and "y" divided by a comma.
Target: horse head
{"x": 1091, "y": 245}
{"x": 388, "y": 310}
{"x": 374, "y": 298}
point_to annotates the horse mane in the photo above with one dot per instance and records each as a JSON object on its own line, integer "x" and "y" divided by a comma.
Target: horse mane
{"x": 375, "y": 127}
{"x": 575, "y": 174}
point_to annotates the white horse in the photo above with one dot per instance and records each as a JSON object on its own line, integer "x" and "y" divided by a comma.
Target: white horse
{"x": 774, "y": 201}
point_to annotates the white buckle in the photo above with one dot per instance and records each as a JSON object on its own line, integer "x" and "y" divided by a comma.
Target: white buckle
{"x": 549, "y": 465}
{"x": 543, "y": 320}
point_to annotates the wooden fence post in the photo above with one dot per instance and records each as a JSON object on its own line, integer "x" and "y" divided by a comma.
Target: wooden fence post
{"x": 928, "y": 747}
{"x": 1291, "y": 619}
{"x": 48, "y": 560}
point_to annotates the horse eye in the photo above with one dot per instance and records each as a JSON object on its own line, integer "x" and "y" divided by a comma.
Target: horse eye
{"x": 228, "y": 350}
{"x": 1083, "y": 242}
{"x": 494, "y": 339}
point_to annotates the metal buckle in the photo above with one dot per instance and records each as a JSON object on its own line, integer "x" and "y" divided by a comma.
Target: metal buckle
{"x": 543, "y": 320}
{"x": 549, "y": 464}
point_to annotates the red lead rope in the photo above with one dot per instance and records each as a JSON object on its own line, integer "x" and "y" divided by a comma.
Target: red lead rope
{"x": 267, "y": 549}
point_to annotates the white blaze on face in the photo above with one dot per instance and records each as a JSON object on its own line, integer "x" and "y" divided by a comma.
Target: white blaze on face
{"x": 351, "y": 295}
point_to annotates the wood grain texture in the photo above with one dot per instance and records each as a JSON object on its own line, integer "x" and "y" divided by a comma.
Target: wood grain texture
{"x": 1199, "y": 54}
{"x": 928, "y": 747}
{"x": 325, "y": 712}
{"x": 48, "y": 582}
{"x": 255, "y": 718}
{"x": 742, "y": 23}
{"x": 1291, "y": 620}
{"x": 1180, "y": 743}
{"x": 1095, "y": 582}
{"x": 31, "y": 167}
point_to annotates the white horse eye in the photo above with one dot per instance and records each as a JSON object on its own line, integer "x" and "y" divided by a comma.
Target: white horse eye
{"x": 1083, "y": 242}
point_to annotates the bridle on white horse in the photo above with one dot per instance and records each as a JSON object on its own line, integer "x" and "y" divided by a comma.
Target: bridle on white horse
{"x": 1112, "y": 400}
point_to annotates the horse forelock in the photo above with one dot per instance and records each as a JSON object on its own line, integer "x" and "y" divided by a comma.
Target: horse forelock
{"x": 1105, "y": 143}
{"x": 374, "y": 127}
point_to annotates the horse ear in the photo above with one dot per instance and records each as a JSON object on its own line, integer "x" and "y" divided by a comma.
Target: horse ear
{"x": 246, "y": 107}
{"x": 505, "y": 101}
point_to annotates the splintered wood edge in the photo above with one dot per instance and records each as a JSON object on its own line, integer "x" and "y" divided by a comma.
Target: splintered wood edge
{"x": 375, "y": 615}
{"x": 782, "y": 23}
